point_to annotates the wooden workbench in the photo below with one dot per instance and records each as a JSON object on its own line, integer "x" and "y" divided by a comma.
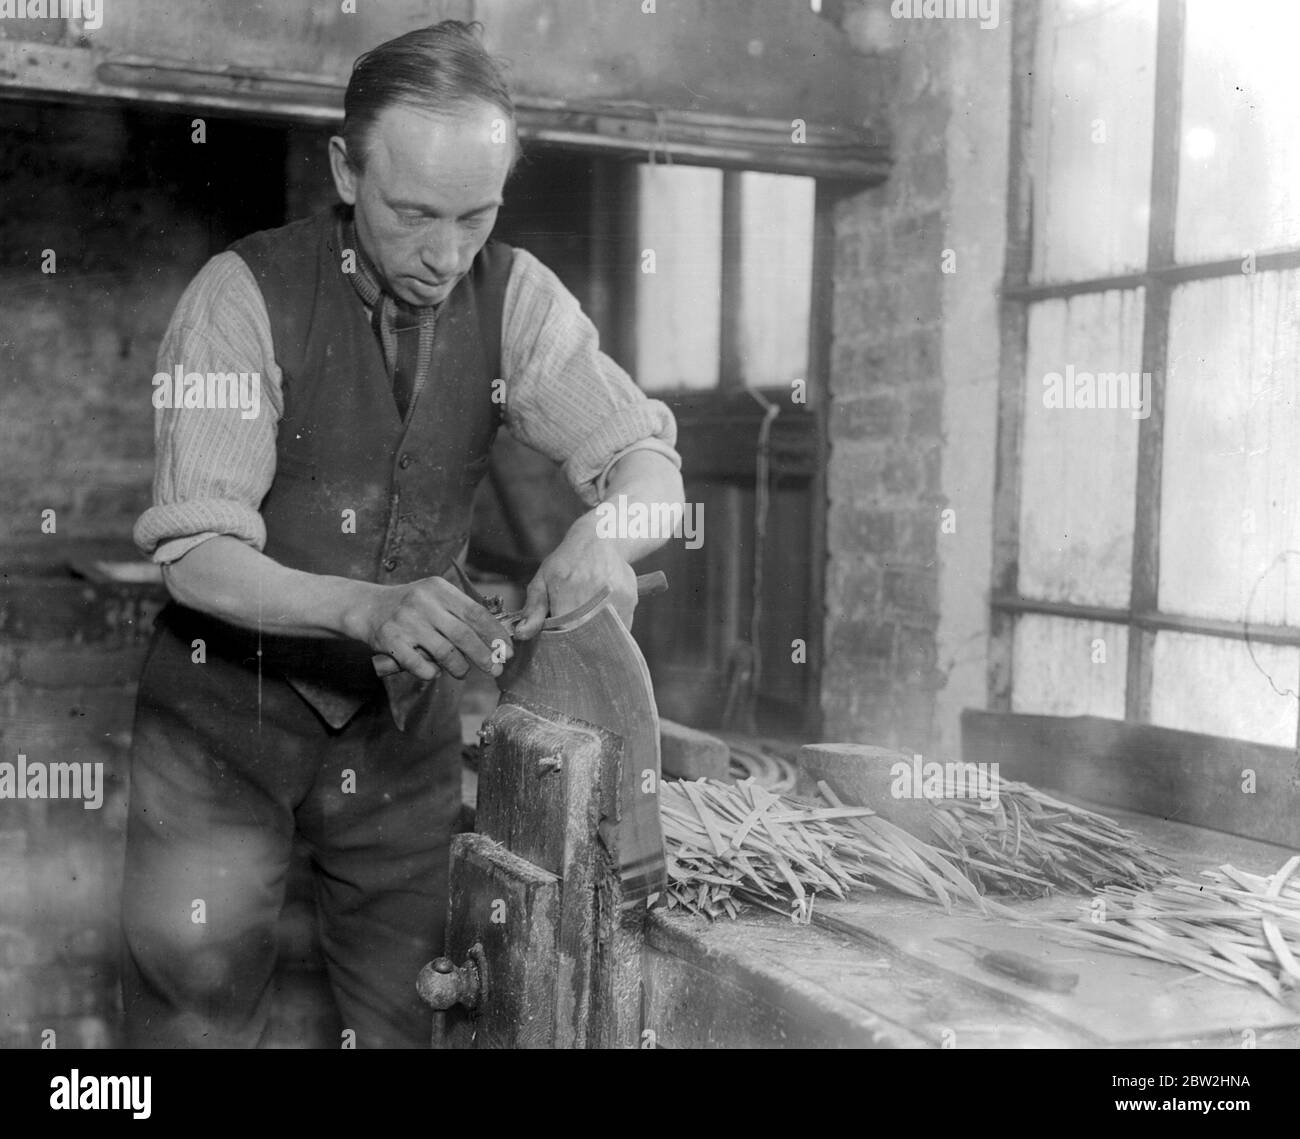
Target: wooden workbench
{"x": 881, "y": 978}
{"x": 544, "y": 949}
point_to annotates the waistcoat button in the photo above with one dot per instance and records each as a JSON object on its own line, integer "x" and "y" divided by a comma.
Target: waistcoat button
{"x": 390, "y": 564}
{"x": 405, "y": 461}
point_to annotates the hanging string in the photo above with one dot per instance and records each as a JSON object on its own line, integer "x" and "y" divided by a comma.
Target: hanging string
{"x": 762, "y": 505}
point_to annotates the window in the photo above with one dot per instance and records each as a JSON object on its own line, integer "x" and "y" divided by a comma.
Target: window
{"x": 721, "y": 312}
{"x": 724, "y": 293}
{"x": 1148, "y": 510}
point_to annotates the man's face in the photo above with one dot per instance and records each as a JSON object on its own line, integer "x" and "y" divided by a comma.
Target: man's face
{"x": 427, "y": 198}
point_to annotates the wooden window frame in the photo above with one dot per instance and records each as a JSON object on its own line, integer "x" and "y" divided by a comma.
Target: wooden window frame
{"x": 1158, "y": 279}
{"x": 798, "y": 443}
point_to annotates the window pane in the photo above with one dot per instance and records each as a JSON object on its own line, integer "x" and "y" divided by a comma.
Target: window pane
{"x": 1226, "y": 688}
{"x": 678, "y": 306}
{"x": 1092, "y": 119}
{"x": 1230, "y": 498}
{"x": 1079, "y": 464}
{"x": 776, "y": 248}
{"x": 1239, "y": 177}
{"x": 1069, "y": 668}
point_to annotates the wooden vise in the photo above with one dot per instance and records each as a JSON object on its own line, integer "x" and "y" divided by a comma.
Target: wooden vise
{"x": 548, "y": 897}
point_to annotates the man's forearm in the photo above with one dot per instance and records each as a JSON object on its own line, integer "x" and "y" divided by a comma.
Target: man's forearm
{"x": 642, "y": 477}
{"x": 423, "y": 625}
{"x": 227, "y": 578}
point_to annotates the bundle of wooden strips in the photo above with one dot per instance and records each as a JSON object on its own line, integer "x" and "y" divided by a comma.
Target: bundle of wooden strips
{"x": 1030, "y": 844}
{"x": 729, "y": 843}
{"x": 771, "y": 771}
{"x": 1231, "y": 925}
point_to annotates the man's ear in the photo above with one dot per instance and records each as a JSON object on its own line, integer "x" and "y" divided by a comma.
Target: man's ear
{"x": 345, "y": 178}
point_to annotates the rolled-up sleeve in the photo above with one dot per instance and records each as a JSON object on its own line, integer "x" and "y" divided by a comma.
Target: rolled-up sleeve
{"x": 213, "y": 466}
{"x": 564, "y": 396}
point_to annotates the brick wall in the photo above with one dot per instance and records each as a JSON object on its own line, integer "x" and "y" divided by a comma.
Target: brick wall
{"x": 912, "y": 345}
{"x": 886, "y": 391}
{"x": 124, "y": 207}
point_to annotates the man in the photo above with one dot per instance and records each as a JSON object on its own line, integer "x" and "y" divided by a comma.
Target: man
{"x": 299, "y": 543}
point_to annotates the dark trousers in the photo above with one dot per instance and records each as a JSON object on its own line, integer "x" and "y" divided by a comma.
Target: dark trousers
{"x": 225, "y": 767}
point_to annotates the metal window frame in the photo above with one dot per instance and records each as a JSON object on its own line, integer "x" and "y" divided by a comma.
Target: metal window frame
{"x": 1161, "y": 275}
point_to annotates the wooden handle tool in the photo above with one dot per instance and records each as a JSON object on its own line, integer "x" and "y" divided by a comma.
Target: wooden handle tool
{"x": 1018, "y": 966}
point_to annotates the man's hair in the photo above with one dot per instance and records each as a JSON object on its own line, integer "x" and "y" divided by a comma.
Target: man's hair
{"x": 442, "y": 68}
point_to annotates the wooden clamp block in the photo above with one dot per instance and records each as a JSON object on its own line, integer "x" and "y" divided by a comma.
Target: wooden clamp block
{"x": 690, "y": 754}
{"x": 505, "y": 913}
{"x": 522, "y": 887}
{"x": 863, "y": 776}
{"x": 547, "y": 902}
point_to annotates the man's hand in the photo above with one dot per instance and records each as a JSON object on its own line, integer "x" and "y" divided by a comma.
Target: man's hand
{"x": 230, "y": 580}
{"x": 578, "y": 569}
{"x": 433, "y": 615}
{"x": 584, "y": 563}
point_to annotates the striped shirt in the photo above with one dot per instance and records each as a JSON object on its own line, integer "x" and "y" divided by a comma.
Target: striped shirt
{"x": 563, "y": 397}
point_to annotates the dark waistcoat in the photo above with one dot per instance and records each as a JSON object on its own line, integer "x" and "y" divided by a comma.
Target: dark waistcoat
{"x": 359, "y": 493}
